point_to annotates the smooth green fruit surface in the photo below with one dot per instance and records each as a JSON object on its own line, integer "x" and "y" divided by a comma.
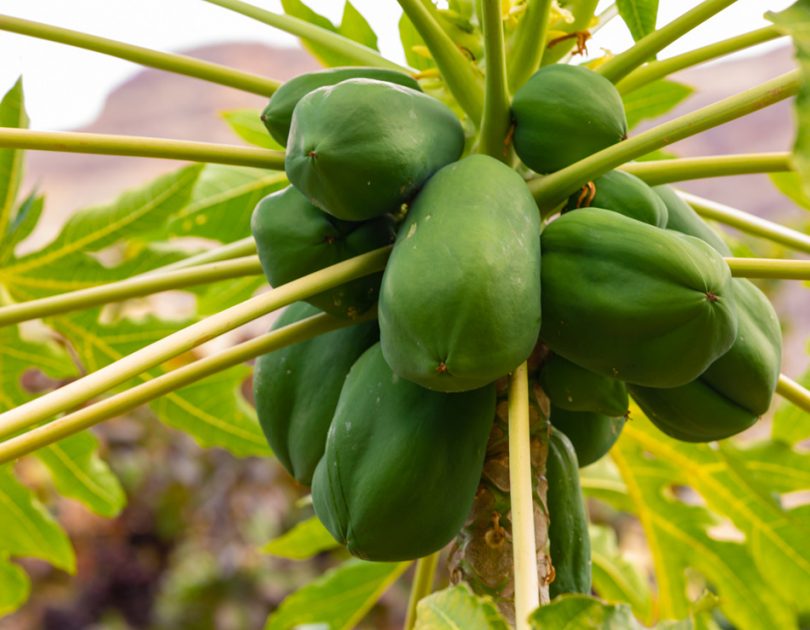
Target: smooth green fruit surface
{"x": 564, "y": 113}
{"x": 632, "y": 301}
{"x": 623, "y": 193}
{"x": 570, "y": 544}
{"x": 682, "y": 218}
{"x": 460, "y": 298}
{"x": 572, "y": 387}
{"x": 362, "y": 148}
{"x": 735, "y": 390}
{"x": 294, "y": 238}
{"x": 591, "y": 434}
{"x": 402, "y": 463}
{"x": 297, "y": 388}
{"x": 277, "y": 116}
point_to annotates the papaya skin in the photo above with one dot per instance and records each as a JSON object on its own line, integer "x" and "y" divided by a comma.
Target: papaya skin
{"x": 623, "y": 193}
{"x": 294, "y": 238}
{"x": 735, "y": 390}
{"x": 573, "y": 388}
{"x": 570, "y": 543}
{"x": 362, "y": 148}
{"x": 682, "y": 218}
{"x": 563, "y": 114}
{"x": 460, "y": 297}
{"x": 402, "y": 463}
{"x": 592, "y": 434}
{"x": 277, "y": 116}
{"x": 634, "y": 302}
{"x": 297, "y": 388}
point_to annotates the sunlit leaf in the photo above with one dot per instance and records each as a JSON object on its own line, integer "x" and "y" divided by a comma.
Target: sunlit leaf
{"x": 338, "y": 599}
{"x": 795, "y": 21}
{"x": 12, "y": 114}
{"x": 602, "y": 481}
{"x": 14, "y": 586}
{"x": 614, "y": 578}
{"x": 247, "y": 124}
{"x": 790, "y": 423}
{"x": 222, "y": 202}
{"x": 28, "y": 529}
{"x": 458, "y": 607}
{"x": 653, "y": 100}
{"x": 354, "y": 26}
{"x": 413, "y": 45}
{"x": 639, "y": 15}
{"x": 80, "y": 474}
{"x": 307, "y": 539}
{"x": 775, "y": 466}
{"x": 791, "y": 186}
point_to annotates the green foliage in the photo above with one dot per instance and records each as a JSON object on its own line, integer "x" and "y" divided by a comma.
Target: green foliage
{"x": 14, "y": 586}
{"x": 639, "y": 15}
{"x": 338, "y": 599}
{"x": 790, "y": 423}
{"x": 353, "y": 26}
{"x": 653, "y": 100}
{"x": 581, "y": 612}
{"x": 307, "y": 539}
{"x": 458, "y": 607}
{"x": 247, "y": 124}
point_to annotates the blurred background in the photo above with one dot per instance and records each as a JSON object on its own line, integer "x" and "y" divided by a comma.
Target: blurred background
{"x": 185, "y": 552}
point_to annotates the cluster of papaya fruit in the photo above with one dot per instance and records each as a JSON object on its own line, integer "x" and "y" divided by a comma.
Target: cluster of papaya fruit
{"x": 389, "y": 421}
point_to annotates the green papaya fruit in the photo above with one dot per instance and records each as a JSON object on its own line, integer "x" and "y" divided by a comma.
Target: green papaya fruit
{"x": 402, "y": 463}
{"x": 460, "y": 297}
{"x": 296, "y": 389}
{"x": 632, "y": 301}
{"x": 591, "y": 434}
{"x": 294, "y": 238}
{"x": 735, "y": 390}
{"x": 572, "y": 387}
{"x": 362, "y": 148}
{"x": 569, "y": 542}
{"x": 563, "y": 114}
{"x": 623, "y": 193}
{"x": 277, "y": 116}
{"x": 682, "y": 218}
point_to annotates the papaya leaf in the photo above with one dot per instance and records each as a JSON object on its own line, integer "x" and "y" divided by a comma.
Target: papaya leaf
{"x": 414, "y": 46}
{"x": 12, "y": 114}
{"x": 614, "y": 578}
{"x": 639, "y": 15}
{"x": 578, "y": 612}
{"x": 213, "y": 410}
{"x": 307, "y": 539}
{"x": 221, "y": 295}
{"x": 602, "y": 481}
{"x": 247, "y": 124}
{"x": 653, "y": 100}
{"x": 222, "y": 202}
{"x": 653, "y": 467}
{"x": 28, "y": 529}
{"x": 80, "y": 474}
{"x": 66, "y": 263}
{"x": 353, "y": 26}
{"x": 790, "y": 423}
{"x": 795, "y": 21}
{"x": 14, "y": 586}
{"x": 791, "y": 185}
{"x": 339, "y": 598}
{"x": 458, "y": 607}
{"x": 774, "y": 466}
{"x": 25, "y": 220}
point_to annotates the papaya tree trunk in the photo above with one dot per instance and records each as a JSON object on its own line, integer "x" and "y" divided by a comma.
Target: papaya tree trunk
{"x": 481, "y": 554}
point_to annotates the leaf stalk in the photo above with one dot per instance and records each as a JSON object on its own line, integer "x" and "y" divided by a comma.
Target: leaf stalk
{"x": 495, "y": 120}
{"x": 656, "y": 172}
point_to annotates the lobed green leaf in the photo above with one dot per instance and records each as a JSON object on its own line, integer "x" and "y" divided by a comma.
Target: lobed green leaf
{"x": 653, "y": 100}
{"x": 639, "y": 15}
{"x": 458, "y": 608}
{"x": 307, "y": 539}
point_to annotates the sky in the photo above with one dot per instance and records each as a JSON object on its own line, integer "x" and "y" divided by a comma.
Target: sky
{"x": 66, "y": 87}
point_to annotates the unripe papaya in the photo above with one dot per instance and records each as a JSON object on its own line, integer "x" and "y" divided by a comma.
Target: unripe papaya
{"x": 297, "y": 388}
{"x": 362, "y": 148}
{"x": 402, "y": 463}
{"x": 591, "y": 434}
{"x": 460, "y": 297}
{"x": 572, "y": 387}
{"x": 569, "y": 541}
{"x": 294, "y": 238}
{"x": 632, "y": 301}
{"x": 682, "y": 218}
{"x": 623, "y": 193}
{"x": 563, "y": 114}
{"x": 277, "y": 116}
{"x": 735, "y": 390}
